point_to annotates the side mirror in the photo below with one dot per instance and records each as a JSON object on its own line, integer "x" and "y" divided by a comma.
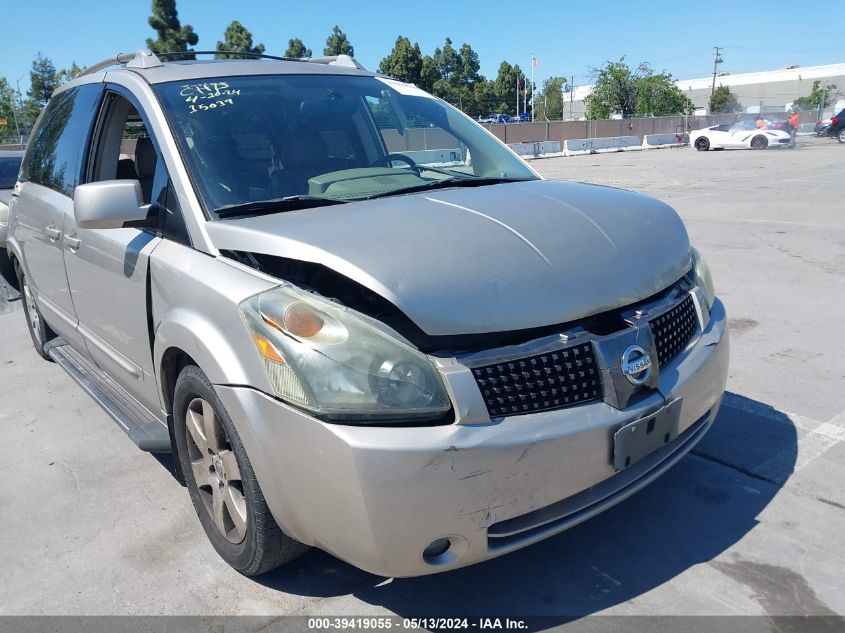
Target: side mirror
{"x": 108, "y": 204}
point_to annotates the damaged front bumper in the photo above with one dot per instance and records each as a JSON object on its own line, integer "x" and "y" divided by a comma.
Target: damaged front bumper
{"x": 409, "y": 501}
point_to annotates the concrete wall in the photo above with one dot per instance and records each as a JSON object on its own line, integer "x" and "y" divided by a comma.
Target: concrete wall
{"x": 565, "y": 130}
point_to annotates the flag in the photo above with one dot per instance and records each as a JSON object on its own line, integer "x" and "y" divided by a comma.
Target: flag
{"x": 534, "y": 62}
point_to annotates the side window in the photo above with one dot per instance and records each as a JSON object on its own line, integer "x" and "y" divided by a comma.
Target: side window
{"x": 125, "y": 150}
{"x": 57, "y": 147}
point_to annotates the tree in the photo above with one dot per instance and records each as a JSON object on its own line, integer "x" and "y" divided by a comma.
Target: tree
{"x": 297, "y": 49}
{"x": 638, "y": 92}
{"x": 237, "y": 39}
{"x": 172, "y": 36}
{"x": 453, "y": 76}
{"x": 338, "y": 44}
{"x": 10, "y": 111}
{"x": 66, "y": 74}
{"x": 614, "y": 90}
{"x": 723, "y": 100}
{"x": 820, "y": 97}
{"x": 508, "y": 88}
{"x": 43, "y": 80}
{"x": 404, "y": 62}
{"x": 549, "y": 102}
{"x": 429, "y": 74}
{"x": 657, "y": 95}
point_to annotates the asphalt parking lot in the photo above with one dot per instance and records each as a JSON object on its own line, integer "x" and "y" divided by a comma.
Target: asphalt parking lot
{"x": 752, "y": 522}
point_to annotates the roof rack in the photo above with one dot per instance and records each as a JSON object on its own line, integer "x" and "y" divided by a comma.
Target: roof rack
{"x": 346, "y": 61}
{"x": 120, "y": 58}
{"x": 227, "y": 53}
{"x": 145, "y": 58}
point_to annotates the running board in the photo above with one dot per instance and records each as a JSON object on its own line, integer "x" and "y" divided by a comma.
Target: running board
{"x": 140, "y": 425}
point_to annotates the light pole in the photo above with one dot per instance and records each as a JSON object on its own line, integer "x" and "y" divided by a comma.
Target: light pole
{"x": 20, "y": 106}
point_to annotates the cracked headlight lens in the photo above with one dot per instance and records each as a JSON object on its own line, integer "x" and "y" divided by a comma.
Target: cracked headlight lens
{"x": 339, "y": 364}
{"x": 701, "y": 276}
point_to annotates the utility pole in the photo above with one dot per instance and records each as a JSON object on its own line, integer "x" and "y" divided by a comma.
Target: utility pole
{"x": 716, "y": 61}
{"x": 571, "y": 95}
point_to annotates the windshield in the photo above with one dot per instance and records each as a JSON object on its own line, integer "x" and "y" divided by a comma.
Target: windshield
{"x": 247, "y": 140}
{"x": 9, "y": 168}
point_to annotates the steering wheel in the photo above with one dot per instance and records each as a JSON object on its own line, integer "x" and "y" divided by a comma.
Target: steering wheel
{"x": 385, "y": 160}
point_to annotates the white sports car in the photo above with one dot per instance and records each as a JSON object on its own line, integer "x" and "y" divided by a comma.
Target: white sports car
{"x": 740, "y": 135}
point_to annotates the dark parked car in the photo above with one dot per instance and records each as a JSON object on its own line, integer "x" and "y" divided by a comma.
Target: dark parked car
{"x": 837, "y": 127}
{"x": 822, "y": 127}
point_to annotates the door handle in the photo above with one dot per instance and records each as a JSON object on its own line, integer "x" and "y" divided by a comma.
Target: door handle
{"x": 73, "y": 243}
{"x": 53, "y": 233}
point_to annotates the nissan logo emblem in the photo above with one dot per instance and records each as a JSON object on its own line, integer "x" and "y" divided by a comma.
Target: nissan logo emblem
{"x": 636, "y": 364}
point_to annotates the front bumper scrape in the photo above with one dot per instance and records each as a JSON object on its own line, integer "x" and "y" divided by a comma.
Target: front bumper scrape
{"x": 376, "y": 497}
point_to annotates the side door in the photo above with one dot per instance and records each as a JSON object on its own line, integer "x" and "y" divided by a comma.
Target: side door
{"x": 108, "y": 269}
{"x": 51, "y": 171}
{"x": 740, "y": 132}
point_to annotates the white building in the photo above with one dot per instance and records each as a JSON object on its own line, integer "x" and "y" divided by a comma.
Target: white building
{"x": 768, "y": 91}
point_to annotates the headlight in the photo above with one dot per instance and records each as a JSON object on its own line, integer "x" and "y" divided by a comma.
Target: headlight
{"x": 338, "y": 364}
{"x": 701, "y": 276}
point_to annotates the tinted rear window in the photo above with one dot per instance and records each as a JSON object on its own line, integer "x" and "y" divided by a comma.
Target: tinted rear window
{"x": 55, "y": 152}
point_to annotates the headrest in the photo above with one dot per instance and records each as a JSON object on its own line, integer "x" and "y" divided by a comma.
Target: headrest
{"x": 145, "y": 158}
{"x": 126, "y": 169}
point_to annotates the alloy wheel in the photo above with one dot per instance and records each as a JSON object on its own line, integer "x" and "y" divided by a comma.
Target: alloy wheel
{"x": 215, "y": 470}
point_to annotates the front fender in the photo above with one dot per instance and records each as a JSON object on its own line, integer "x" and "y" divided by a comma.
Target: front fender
{"x": 13, "y": 249}
{"x": 195, "y": 300}
{"x": 225, "y": 358}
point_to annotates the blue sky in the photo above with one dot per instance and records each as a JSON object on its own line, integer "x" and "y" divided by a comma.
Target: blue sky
{"x": 567, "y": 37}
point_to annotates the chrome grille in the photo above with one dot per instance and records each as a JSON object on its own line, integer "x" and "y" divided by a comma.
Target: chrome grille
{"x": 540, "y": 383}
{"x": 673, "y": 330}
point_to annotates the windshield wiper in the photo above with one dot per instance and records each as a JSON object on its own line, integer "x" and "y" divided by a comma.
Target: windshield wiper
{"x": 276, "y": 205}
{"x": 446, "y": 184}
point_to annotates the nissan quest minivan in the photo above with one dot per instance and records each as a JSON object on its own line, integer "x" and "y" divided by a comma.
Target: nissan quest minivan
{"x": 357, "y": 319}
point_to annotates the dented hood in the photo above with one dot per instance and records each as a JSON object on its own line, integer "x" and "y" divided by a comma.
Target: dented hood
{"x": 487, "y": 259}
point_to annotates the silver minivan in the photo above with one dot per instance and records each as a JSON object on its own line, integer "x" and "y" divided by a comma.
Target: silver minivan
{"x": 357, "y": 319}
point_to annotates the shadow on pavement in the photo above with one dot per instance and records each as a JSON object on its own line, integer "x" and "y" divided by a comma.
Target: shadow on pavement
{"x": 697, "y": 510}
{"x": 9, "y": 295}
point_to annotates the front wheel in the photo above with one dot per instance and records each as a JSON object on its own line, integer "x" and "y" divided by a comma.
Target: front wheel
{"x": 702, "y": 144}
{"x": 759, "y": 142}
{"x": 841, "y": 136}
{"x": 221, "y": 482}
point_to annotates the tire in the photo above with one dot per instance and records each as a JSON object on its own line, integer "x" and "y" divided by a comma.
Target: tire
{"x": 759, "y": 142}
{"x": 209, "y": 449}
{"x": 702, "y": 144}
{"x": 840, "y": 136}
{"x": 38, "y": 328}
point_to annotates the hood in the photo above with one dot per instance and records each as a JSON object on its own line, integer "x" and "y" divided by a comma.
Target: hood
{"x": 487, "y": 259}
